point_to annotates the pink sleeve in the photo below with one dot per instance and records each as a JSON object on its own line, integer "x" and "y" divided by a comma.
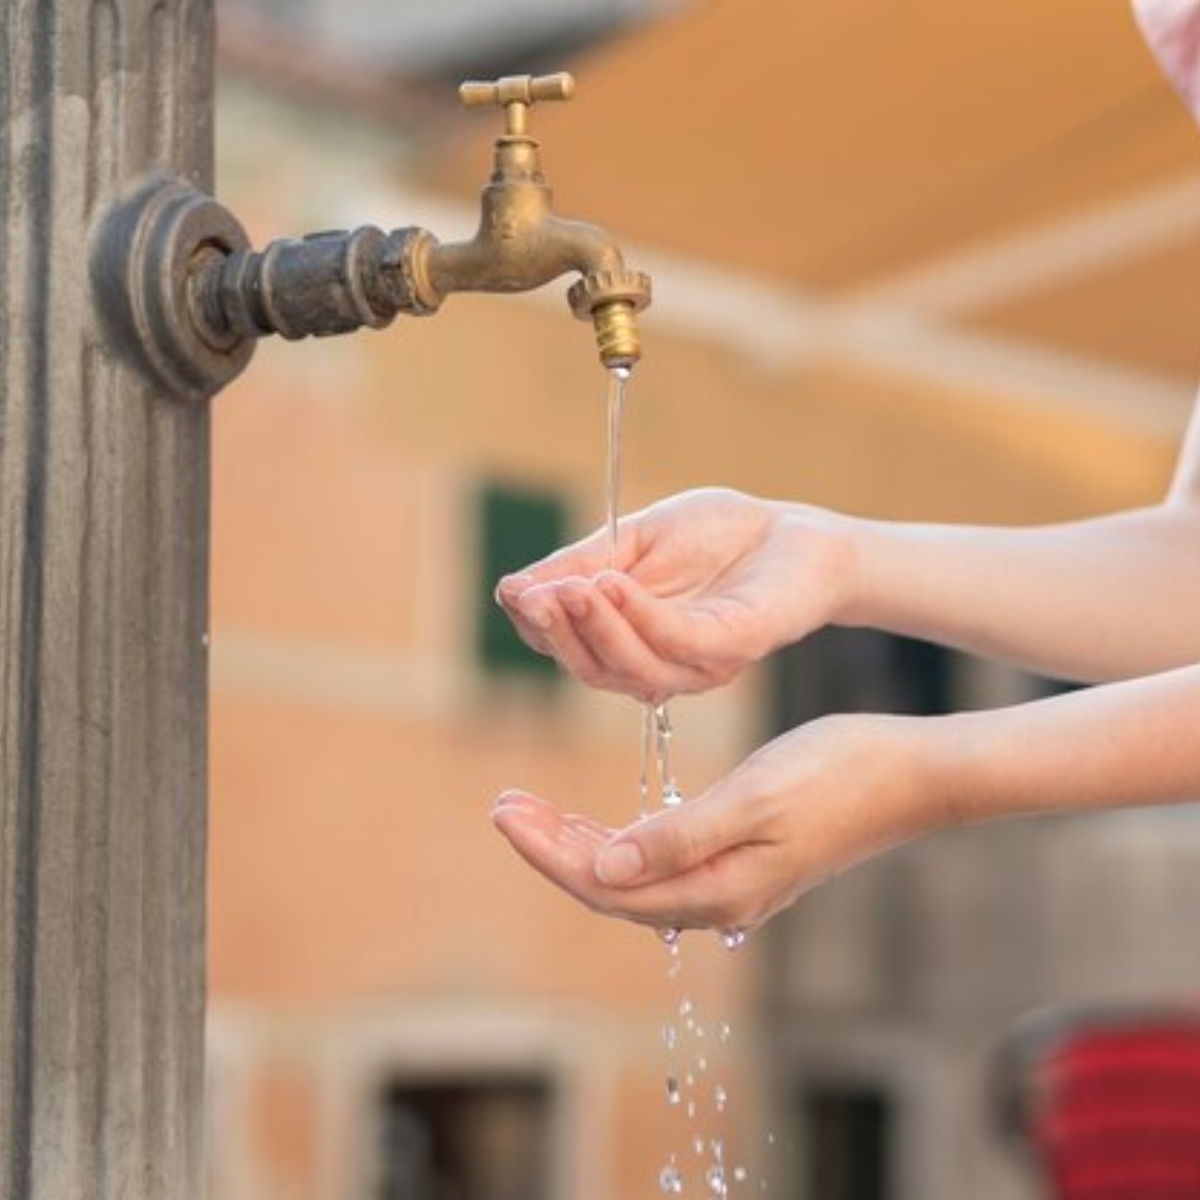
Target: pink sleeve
{"x": 1172, "y": 29}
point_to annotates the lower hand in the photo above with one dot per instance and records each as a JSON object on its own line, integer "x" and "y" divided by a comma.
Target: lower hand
{"x": 804, "y": 807}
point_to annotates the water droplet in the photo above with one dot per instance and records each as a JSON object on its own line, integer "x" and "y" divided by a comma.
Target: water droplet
{"x": 698, "y": 1144}
{"x": 724, "y": 1030}
{"x": 690, "y": 1079}
{"x": 670, "y": 1036}
{"x": 670, "y": 934}
{"x": 702, "y": 1064}
{"x": 770, "y": 1139}
{"x": 672, "y": 1090}
{"x": 691, "y": 1109}
{"x": 672, "y": 797}
{"x": 734, "y": 939}
{"x": 686, "y": 1007}
{"x": 662, "y": 721}
{"x": 715, "y": 1177}
{"x": 740, "y": 1174}
{"x": 720, "y": 1098}
{"x": 670, "y": 1179}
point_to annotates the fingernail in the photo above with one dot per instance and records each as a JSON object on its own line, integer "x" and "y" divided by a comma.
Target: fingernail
{"x": 513, "y": 585}
{"x": 509, "y": 804}
{"x": 619, "y": 863}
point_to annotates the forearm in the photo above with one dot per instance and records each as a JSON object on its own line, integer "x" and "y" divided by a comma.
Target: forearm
{"x": 1092, "y": 600}
{"x": 1130, "y": 743}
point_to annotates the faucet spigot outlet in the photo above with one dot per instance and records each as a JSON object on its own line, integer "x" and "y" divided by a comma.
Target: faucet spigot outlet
{"x": 611, "y": 300}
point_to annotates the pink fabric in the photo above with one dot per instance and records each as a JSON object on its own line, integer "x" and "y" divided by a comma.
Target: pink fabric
{"x": 1172, "y": 28}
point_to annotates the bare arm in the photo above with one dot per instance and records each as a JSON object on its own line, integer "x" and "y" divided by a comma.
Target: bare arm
{"x": 710, "y": 581}
{"x": 1099, "y": 599}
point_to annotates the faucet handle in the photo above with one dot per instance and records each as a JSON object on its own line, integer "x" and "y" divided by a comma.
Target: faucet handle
{"x": 515, "y": 93}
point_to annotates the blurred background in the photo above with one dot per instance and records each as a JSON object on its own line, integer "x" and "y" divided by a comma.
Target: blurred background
{"x": 925, "y": 261}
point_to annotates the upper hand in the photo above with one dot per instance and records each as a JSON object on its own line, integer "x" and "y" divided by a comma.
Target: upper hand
{"x": 702, "y": 584}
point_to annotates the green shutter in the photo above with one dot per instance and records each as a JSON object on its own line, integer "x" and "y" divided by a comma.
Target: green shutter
{"x": 516, "y": 528}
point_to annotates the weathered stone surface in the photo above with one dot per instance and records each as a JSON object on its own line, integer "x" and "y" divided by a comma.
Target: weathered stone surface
{"x": 103, "y": 563}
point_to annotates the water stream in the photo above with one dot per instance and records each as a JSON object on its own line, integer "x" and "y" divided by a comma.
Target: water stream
{"x": 693, "y": 1077}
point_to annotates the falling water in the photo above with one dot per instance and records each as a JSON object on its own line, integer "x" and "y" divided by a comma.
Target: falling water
{"x": 618, "y": 381}
{"x": 697, "y": 1053}
{"x": 689, "y": 1085}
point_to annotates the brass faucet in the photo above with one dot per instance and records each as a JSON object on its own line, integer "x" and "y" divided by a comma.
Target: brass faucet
{"x": 522, "y": 243}
{"x": 331, "y": 283}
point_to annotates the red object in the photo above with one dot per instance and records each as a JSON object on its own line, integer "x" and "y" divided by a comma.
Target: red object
{"x": 1115, "y": 1111}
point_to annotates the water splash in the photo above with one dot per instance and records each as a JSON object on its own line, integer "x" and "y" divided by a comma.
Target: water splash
{"x": 715, "y": 1178}
{"x": 670, "y": 1179}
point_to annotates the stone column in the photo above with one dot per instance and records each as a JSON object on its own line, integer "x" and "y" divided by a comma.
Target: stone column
{"x": 103, "y": 620}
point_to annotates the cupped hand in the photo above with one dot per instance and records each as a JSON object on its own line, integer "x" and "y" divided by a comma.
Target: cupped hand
{"x": 804, "y": 807}
{"x": 701, "y": 585}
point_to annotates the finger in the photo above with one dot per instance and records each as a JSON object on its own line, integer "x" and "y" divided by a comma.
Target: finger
{"x": 586, "y": 558}
{"x": 721, "y": 893}
{"x": 733, "y": 890}
{"x": 629, "y": 664}
{"x": 543, "y": 607}
{"x": 674, "y": 842}
{"x": 555, "y": 845}
{"x": 672, "y": 629}
{"x": 527, "y": 630}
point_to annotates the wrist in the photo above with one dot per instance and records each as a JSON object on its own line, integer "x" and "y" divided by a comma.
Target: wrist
{"x": 924, "y": 771}
{"x": 825, "y": 546}
{"x": 905, "y": 773}
{"x": 977, "y": 766}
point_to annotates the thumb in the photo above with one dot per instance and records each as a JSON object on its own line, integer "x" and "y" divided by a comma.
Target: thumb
{"x": 669, "y": 843}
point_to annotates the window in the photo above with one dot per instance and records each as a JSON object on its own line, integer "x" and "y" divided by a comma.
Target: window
{"x": 515, "y": 528}
{"x": 466, "y": 1139}
{"x": 843, "y": 1140}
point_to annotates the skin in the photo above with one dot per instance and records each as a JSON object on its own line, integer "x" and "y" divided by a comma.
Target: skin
{"x": 708, "y": 582}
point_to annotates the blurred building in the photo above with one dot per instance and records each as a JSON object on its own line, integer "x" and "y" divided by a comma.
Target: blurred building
{"x": 922, "y": 261}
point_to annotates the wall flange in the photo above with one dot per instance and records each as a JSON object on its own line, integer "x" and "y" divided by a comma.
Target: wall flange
{"x": 146, "y": 255}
